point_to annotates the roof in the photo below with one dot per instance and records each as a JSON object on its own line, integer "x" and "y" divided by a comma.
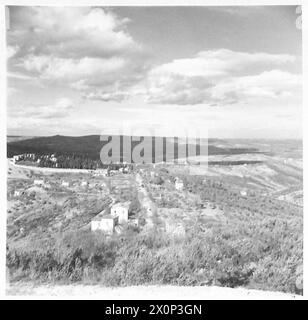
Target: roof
{"x": 104, "y": 216}
{"x": 122, "y": 205}
{"x": 109, "y": 216}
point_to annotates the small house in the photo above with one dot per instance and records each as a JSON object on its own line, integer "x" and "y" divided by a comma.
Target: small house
{"x": 105, "y": 223}
{"x": 38, "y": 182}
{"x": 120, "y": 210}
{"x": 65, "y": 184}
{"x": 179, "y": 185}
{"x": 16, "y": 158}
{"x": 100, "y": 172}
{"x": 17, "y": 193}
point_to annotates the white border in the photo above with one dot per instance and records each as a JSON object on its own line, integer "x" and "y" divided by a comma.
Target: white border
{"x": 3, "y": 125}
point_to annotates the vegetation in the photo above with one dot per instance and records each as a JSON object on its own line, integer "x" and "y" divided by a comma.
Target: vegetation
{"x": 89, "y": 146}
{"x": 262, "y": 255}
{"x": 231, "y": 238}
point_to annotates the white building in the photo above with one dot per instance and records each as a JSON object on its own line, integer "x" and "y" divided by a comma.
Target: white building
{"x": 243, "y": 193}
{"x": 105, "y": 223}
{"x": 65, "y": 184}
{"x": 120, "y": 210}
{"x": 100, "y": 172}
{"x": 125, "y": 170}
{"x": 38, "y": 182}
{"x": 16, "y": 158}
{"x": 84, "y": 183}
{"x": 17, "y": 193}
{"x": 179, "y": 185}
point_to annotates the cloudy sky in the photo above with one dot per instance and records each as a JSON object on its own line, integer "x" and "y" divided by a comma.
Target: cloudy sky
{"x": 235, "y": 71}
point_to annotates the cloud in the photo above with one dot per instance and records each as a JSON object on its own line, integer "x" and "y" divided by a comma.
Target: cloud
{"x": 19, "y": 75}
{"x": 218, "y": 63}
{"x": 117, "y": 96}
{"x": 62, "y": 108}
{"x": 221, "y": 77}
{"x": 69, "y": 32}
{"x": 274, "y": 84}
{"x": 82, "y": 48}
{"x": 59, "y": 69}
{"x": 89, "y": 50}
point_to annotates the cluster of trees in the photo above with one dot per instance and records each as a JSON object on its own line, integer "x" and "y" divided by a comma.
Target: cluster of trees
{"x": 72, "y": 161}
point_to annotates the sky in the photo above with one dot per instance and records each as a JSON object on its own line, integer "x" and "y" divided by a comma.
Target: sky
{"x": 227, "y": 72}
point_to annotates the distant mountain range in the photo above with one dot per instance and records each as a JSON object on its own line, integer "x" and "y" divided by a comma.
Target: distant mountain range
{"x": 90, "y": 146}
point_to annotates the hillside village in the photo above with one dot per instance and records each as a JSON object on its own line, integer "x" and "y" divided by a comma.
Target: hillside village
{"x": 164, "y": 187}
{"x": 50, "y": 206}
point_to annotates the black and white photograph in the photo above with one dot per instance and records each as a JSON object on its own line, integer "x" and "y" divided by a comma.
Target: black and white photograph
{"x": 153, "y": 151}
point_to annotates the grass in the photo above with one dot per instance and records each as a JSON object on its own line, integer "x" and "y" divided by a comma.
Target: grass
{"x": 266, "y": 256}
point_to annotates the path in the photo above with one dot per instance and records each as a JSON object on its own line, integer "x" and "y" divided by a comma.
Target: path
{"x": 145, "y": 201}
{"x": 144, "y": 292}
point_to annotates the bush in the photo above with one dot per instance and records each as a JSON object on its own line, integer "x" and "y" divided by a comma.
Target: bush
{"x": 262, "y": 255}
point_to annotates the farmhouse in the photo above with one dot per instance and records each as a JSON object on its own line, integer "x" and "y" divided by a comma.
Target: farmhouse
{"x": 38, "y": 182}
{"x": 126, "y": 170}
{"x": 100, "y": 172}
{"x": 179, "y": 185}
{"x": 105, "y": 223}
{"x": 120, "y": 210}
{"x": 65, "y": 184}
{"x": 16, "y": 158}
{"x": 113, "y": 172}
{"x": 17, "y": 193}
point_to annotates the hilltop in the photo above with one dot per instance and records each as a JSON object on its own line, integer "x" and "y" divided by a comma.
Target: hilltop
{"x": 91, "y": 145}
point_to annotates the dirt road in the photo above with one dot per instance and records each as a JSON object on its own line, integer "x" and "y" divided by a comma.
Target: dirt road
{"x": 47, "y": 170}
{"x": 143, "y": 292}
{"x": 145, "y": 201}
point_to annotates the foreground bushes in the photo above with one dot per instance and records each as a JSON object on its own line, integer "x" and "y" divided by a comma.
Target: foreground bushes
{"x": 265, "y": 256}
